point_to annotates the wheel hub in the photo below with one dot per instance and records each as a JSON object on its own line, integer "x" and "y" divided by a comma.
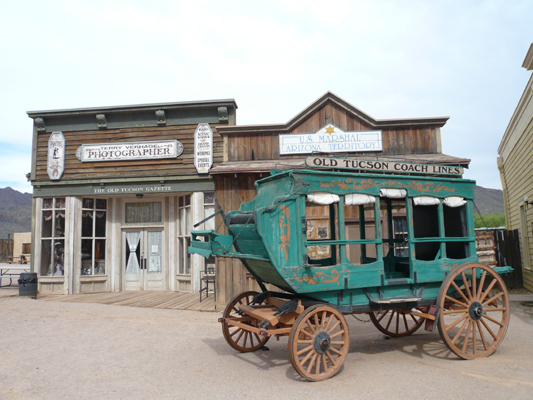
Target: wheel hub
{"x": 476, "y": 311}
{"x": 322, "y": 342}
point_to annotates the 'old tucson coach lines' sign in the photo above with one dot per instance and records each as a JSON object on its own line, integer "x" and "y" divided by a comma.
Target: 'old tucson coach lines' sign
{"x": 382, "y": 166}
{"x": 330, "y": 139}
{"x": 129, "y": 151}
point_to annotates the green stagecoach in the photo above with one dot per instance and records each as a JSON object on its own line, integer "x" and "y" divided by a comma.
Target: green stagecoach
{"x": 399, "y": 248}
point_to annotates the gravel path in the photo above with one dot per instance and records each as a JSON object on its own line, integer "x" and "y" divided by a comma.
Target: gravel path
{"x": 55, "y": 350}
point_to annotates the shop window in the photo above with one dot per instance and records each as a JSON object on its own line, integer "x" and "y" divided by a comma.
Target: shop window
{"x": 53, "y": 237}
{"x": 93, "y": 236}
{"x": 26, "y": 248}
{"x": 209, "y": 209}
{"x": 184, "y": 234}
{"x": 144, "y": 212}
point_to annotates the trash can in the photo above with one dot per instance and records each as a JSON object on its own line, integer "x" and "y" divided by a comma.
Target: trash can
{"x": 28, "y": 284}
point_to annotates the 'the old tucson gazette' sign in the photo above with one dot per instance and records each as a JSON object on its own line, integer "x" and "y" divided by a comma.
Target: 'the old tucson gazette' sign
{"x": 129, "y": 151}
{"x": 382, "y": 166}
{"x": 330, "y": 139}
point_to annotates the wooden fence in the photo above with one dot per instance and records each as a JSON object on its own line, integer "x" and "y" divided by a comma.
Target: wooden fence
{"x": 6, "y": 250}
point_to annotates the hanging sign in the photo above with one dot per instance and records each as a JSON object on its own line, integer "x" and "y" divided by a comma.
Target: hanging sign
{"x": 378, "y": 165}
{"x": 203, "y": 148}
{"x": 129, "y": 151}
{"x": 330, "y": 139}
{"x": 56, "y": 156}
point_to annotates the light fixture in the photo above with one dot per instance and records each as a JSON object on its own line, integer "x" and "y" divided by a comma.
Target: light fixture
{"x": 139, "y": 196}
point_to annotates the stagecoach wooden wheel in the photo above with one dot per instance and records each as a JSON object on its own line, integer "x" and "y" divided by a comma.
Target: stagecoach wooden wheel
{"x": 239, "y": 338}
{"x": 474, "y": 311}
{"x": 318, "y": 343}
{"x": 398, "y": 323}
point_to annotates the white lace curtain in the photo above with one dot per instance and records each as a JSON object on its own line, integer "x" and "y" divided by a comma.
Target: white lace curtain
{"x": 133, "y": 239}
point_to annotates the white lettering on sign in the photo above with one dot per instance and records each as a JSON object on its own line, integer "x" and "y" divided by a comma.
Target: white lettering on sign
{"x": 134, "y": 189}
{"x": 330, "y": 139}
{"x": 130, "y": 151}
{"x": 203, "y": 148}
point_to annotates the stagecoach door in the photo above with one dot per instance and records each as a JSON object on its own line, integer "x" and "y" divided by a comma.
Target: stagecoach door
{"x": 143, "y": 259}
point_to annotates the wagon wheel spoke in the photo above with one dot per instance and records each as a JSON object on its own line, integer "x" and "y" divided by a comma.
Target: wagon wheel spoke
{"x": 240, "y": 338}
{"x": 483, "y": 313}
{"x": 481, "y": 335}
{"x": 318, "y": 354}
{"x": 383, "y": 315}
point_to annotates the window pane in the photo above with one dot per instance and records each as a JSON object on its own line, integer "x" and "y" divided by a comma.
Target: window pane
{"x": 59, "y": 258}
{"x": 87, "y": 224}
{"x": 60, "y": 203}
{"x": 46, "y": 257}
{"x": 209, "y": 198}
{"x": 46, "y": 224}
{"x": 100, "y": 224}
{"x": 143, "y": 212}
{"x": 88, "y": 203}
{"x": 99, "y": 257}
{"x": 47, "y": 203}
{"x": 86, "y": 256}
{"x": 101, "y": 204}
{"x": 59, "y": 224}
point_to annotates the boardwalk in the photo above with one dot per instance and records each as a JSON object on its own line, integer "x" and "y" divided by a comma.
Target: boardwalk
{"x": 146, "y": 299}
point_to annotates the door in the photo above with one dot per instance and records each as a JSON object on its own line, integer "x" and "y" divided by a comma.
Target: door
{"x": 143, "y": 259}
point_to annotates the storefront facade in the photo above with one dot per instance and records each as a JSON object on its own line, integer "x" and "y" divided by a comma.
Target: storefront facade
{"x": 117, "y": 190}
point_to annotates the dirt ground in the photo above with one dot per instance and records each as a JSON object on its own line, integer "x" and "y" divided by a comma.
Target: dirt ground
{"x": 57, "y": 350}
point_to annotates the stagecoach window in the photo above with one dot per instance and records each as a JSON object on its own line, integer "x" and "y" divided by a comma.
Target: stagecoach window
{"x": 455, "y": 226}
{"x": 322, "y": 226}
{"x": 426, "y": 225}
{"x": 360, "y": 225}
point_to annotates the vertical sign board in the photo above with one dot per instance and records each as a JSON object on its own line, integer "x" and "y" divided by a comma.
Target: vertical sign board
{"x": 203, "y": 148}
{"x": 56, "y": 156}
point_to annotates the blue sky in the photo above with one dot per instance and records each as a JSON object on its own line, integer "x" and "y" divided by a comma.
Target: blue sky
{"x": 391, "y": 59}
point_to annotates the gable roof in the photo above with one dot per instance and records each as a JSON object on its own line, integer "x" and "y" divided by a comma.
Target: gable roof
{"x": 330, "y": 97}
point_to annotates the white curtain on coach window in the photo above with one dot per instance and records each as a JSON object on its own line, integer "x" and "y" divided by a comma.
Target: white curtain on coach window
{"x": 322, "y": 198}
{"x": 454, "y": 201}
{"x": 356, "y": 199}
{"x": 393, "y": 193}
{"x": 425, "y": 201}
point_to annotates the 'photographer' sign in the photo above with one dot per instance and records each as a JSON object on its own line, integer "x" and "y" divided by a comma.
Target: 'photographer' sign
{"x": 129, "y": 151}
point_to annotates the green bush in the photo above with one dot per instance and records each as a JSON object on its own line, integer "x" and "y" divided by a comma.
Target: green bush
{"x": 489, "y": 220}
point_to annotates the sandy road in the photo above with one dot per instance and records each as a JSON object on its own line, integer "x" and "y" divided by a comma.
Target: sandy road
{"x": 56, "y": 350}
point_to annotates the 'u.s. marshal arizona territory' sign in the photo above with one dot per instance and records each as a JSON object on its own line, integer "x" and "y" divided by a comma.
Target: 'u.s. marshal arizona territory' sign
{"x": 382, "y": 166}
{"x": 330, "y": 139}
{"x": 129, "y": 151}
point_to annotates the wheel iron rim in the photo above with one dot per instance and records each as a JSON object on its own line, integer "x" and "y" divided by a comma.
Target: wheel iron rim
{"x": 322, "y": 342}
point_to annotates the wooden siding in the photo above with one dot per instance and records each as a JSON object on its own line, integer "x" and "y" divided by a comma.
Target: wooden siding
{"x": 230, "y": 192}
{"x": 75, "y": 169}
{"x": 518, "y": 171}
{"x": 265, "y": 146}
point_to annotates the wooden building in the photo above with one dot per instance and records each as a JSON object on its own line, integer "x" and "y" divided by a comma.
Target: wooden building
{"x": 516, "y": 173}
{"x": 116, "y": 191}
{"x": 326, "y": 127}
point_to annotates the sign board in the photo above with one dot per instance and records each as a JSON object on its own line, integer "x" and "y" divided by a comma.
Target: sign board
{"x": 203, "y": 148}
{"x": 56, "y": 156}
{"x": 330, "y": 139}
{"x": 382, "y": 166}
{"x": 129, "y": 151}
